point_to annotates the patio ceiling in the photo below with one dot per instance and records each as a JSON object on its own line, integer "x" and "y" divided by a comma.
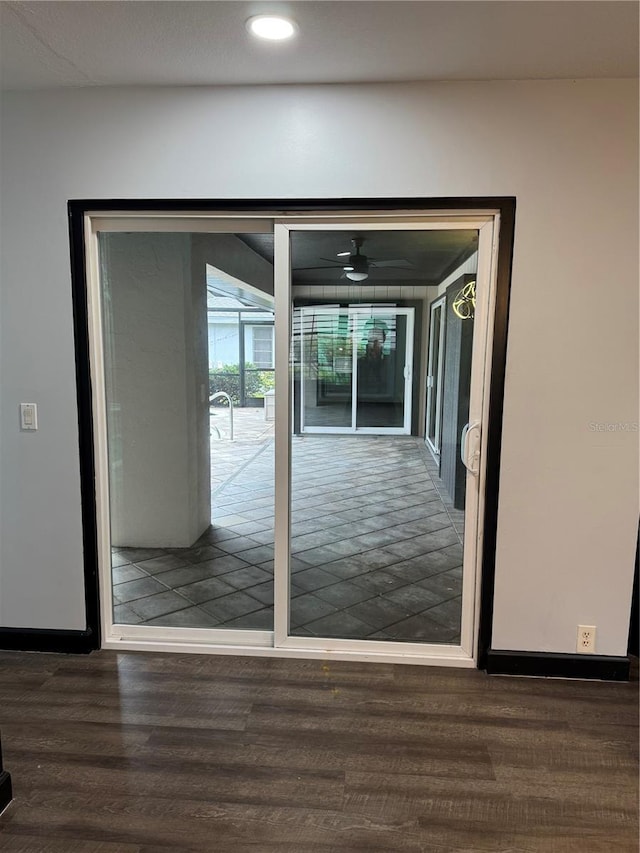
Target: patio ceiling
{"x": 425, "y": 257}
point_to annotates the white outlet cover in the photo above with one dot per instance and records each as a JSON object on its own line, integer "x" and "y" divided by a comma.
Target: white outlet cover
{"x": 586, "y": 639}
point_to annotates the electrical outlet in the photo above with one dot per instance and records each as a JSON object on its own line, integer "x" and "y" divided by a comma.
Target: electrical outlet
{"x": 586, "y": 643}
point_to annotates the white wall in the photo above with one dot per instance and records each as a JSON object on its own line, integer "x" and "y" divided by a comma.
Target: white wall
{"x": 568, "y": 152}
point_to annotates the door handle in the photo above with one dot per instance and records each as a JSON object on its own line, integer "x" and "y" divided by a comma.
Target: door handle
{"x": 407, "y": 372}
{"x": 470, "y": 447}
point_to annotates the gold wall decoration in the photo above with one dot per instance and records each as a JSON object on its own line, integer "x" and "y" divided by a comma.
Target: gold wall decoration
{"x": 464, "y": 305}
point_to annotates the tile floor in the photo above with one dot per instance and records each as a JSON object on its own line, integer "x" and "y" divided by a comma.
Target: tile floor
{"x": 376, "y": 544}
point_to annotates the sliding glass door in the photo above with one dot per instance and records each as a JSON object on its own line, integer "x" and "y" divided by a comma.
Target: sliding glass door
{"x": 319, "y": 524}
{"x": 355, "y": 369}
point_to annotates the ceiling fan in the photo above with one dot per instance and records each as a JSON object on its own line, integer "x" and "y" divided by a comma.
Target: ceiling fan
{"x": 356, "y": 266}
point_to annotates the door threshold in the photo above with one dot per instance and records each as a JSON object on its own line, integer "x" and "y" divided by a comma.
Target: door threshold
{"x": 458, "y": 659}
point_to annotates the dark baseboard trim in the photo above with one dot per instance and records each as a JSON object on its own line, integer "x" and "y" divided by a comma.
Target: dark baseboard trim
{"x": 6, "y": 793}
{"x": 48, "y": 640}
{"x": 554, "y": 665}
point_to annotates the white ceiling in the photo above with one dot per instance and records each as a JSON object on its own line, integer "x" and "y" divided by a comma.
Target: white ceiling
{"x": 58, "y": 44}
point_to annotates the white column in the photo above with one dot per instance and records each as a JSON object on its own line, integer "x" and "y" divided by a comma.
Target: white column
{"x": 157, "y": 389}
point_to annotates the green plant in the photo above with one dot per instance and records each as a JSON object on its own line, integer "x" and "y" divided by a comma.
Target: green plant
{"x": 227, "y": 378}
{"x": 258, "y": 382}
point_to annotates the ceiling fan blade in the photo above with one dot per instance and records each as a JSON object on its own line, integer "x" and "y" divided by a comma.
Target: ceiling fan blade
{"x": 332, "y": 260}
{"x": 398, "y": 263}
{"x": 303, "y": 269}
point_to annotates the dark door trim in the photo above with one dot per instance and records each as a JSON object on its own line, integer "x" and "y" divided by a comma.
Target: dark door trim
{"x": 634, "y": 622}
{"x": 77, "y": 209}
{"x": 6, "y": 793}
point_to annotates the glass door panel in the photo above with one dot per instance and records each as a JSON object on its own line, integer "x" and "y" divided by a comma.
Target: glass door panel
{"x": 190, "y": 445}
{"x": 376, "y": 527}
{"x": 383, "y": 362}
{"x": 327, "y": 369}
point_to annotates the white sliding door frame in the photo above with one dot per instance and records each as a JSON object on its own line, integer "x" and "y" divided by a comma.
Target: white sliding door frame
{"x": 435, "y": 374}
{"x": 279, "y": 642}
{"x": 466, "y": 652}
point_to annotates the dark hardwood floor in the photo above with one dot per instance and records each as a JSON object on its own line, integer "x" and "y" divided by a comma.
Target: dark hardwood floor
{"x": 150, "y": 753}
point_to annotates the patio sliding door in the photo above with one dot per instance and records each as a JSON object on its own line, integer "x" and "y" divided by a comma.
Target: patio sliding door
{"x": 265, "y": 480}
{"x": 355, "y": 369}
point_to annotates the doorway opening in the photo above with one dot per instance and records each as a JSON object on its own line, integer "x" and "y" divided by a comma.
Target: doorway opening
{"x": 265, "y": 459}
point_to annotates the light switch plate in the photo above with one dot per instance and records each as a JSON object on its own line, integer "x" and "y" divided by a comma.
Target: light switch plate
{"x": 28, "y": 416}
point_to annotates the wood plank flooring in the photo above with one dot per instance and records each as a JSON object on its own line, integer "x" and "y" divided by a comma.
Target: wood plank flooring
{"x": 150, "y": 753}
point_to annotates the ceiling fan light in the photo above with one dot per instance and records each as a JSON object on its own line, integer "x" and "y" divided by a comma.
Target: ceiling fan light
{"x": 357, "y": 276}
{"x": 347, "y": 269}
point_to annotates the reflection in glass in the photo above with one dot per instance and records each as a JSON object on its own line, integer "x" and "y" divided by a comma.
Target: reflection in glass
{"x": 327, "y": 368}
{"x": 381, "y": 342}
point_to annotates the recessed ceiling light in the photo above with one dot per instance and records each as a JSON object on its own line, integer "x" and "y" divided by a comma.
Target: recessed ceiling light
{"x": 272, "y": 27}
